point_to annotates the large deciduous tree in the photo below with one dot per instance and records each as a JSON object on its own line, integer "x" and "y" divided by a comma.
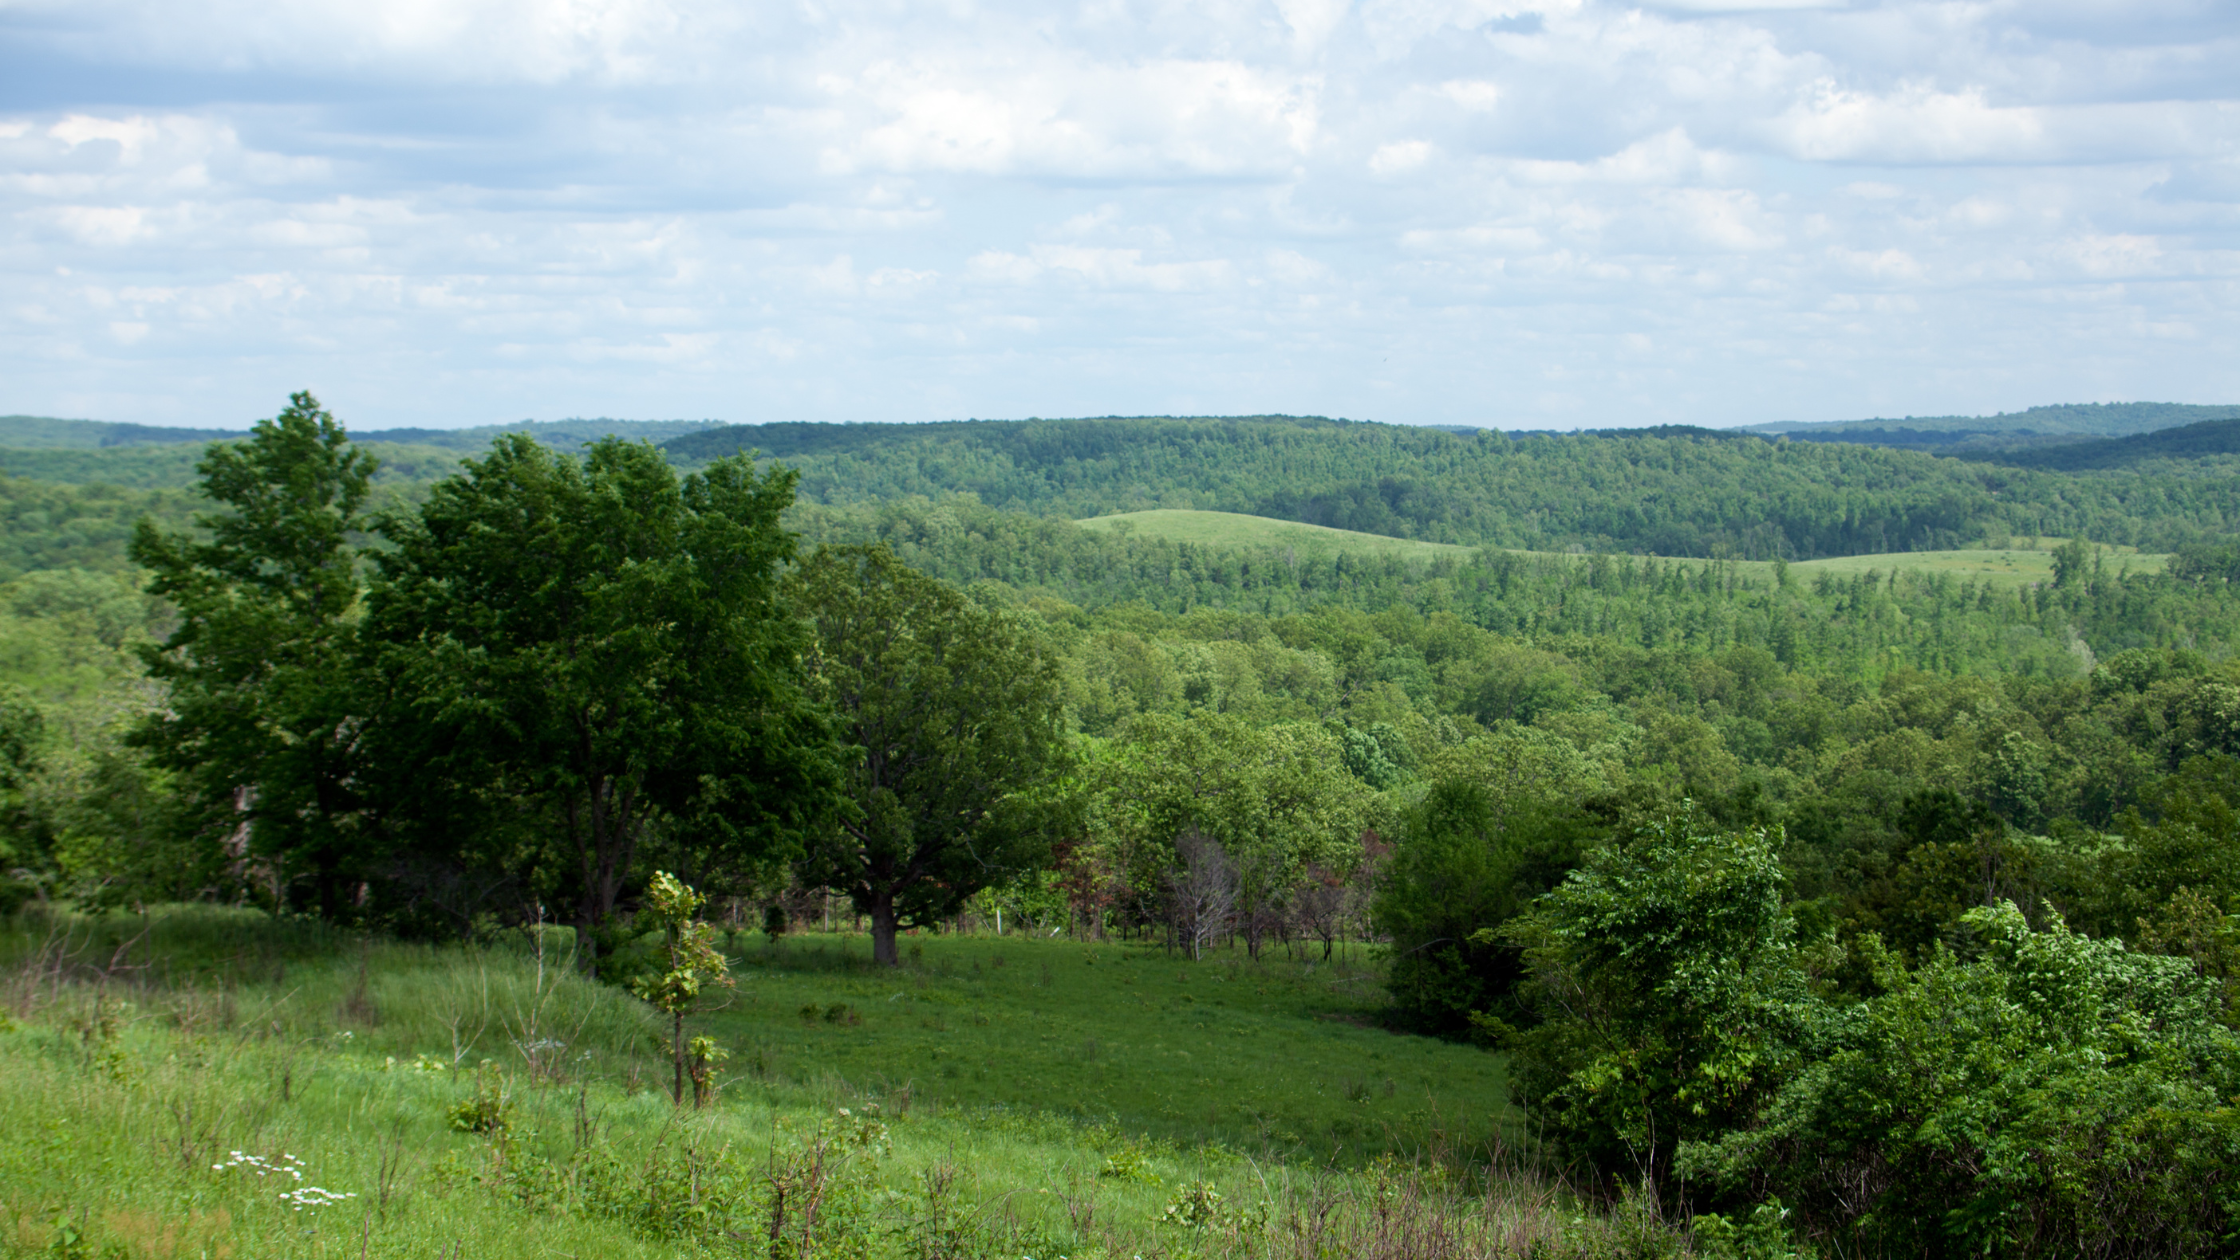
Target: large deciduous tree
{"x": 955, "y": 712}
{"x": 261, "y": 721}
{"x": 606, "y": 644}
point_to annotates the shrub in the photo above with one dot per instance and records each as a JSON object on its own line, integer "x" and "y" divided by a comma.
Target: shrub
{"x": 1665, "y": 971}
{"x": 2053, "y": 1095}
{"x": 1461, "y": 864}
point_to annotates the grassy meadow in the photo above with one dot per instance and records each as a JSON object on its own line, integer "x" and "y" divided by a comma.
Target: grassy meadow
{"x": 2005, "y": 566}
{"x": 1235, "y": 529}
{"x": 1279, "y": 1057}
{"x": 2009, "y": 562}
{"x": 207, "y": 1083}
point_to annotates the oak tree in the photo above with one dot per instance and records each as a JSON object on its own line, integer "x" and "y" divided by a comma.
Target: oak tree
{"x": 955, "y": 713}
{"x": 603, "y": 642}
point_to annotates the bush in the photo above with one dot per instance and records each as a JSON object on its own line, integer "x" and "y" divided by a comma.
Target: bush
{"x": 2054, "y": 1095}
{"x": 1461, "y": 864}
{"x": 1665, "y": 971}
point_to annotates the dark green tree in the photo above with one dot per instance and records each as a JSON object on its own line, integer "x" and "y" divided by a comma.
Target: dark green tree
{"x": 262, "y": 720}
{"x": 604, "y": 647}
{"x": 21, "y": 729}
{"x": 955, "y": 713}
{"x": 1463, "y": 862}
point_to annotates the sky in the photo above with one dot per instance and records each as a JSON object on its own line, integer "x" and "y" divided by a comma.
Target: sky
{"x": 1545, "y": 214}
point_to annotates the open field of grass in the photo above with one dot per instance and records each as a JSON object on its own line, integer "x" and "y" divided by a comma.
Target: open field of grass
{"x": 178, "y": 1086}
{"x": 2022, "y": 562}
{"x": 1279, "y": 1056}
{"x": 2003, "y": 566}
{"x": 1235, "y": 529}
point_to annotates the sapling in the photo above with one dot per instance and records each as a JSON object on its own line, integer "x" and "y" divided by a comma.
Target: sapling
{"x": 693, "y": 964}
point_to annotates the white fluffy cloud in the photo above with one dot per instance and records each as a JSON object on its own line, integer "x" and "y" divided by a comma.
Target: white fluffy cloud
{"x": 1515, "y": 212}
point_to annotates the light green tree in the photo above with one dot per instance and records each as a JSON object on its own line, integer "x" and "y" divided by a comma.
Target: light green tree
{"x": 1273, "y": 800}
{"x": 691, "y": 965}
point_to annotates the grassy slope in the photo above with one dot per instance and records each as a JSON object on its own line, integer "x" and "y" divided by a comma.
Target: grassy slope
{"x": 2029, "y": 561}
{"x": 1258, "y": 1056}
{"x": 224, "y": 1031}
{"x": 2004, "y": 566}
{"x": 1235, "y": 529}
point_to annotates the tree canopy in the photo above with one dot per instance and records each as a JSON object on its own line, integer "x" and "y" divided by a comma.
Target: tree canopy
{"x": 604, "y": 645}
{"x": 956, "y": 717}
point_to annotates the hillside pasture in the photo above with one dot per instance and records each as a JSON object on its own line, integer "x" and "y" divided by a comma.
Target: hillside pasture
{"x": 2013, "y": 562}
{"x": 164, "y": 1078}
{"x": 1236, "y": 530}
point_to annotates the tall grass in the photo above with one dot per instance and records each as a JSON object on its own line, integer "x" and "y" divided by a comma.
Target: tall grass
{"x": 159, "y": 1100}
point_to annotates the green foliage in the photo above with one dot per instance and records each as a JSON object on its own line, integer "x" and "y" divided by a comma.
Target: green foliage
{"x": 956, "y": 715}
{"x": 262, "y": 714}
{"x": 1209, "y": 823}
{"x": 603, "y": 644}
{"x": 1671, "y": 1004}
{"x": 1464, "y": 860}
{"x": 490, "y": 1109}
{"x": 1764, "y": 1235}
{"x": 1379, "y": 756}
{"x": 20, "y": 738}
{"x": 49, "y": 526}
{"x": 2209, "y": 562}
{"x": 2050, "y": 1094}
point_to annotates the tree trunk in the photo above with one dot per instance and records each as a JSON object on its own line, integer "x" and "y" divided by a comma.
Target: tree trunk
{"x": 883, "y": 929}
{"x": 676, "y": 1043}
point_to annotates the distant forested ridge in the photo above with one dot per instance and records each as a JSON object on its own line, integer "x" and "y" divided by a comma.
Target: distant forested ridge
{"x": 2060, "y": 419}
{"x": 1856, "y": 625}
{"x": 1675, "y": 492}
{"x": 2196, "y": 446}
{"x": 1668, "y": 491}
{"x": 51, "y": 433}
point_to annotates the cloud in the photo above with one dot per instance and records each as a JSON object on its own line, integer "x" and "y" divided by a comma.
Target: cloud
{"x": 1523, "y": 212}
{"x": 1081, "y": 120}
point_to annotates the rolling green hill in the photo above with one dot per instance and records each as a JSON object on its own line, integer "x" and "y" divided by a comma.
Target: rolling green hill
{"x": 2014, "y": 563}
{"x": 2196, "y": 443}
{"x": 1671, "y": 492}
{"x": 1236, "y": 530}
{"x": 2072, "y": 420}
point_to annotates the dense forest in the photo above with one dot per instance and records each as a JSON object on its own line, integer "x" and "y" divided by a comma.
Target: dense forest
{"x": 1898, "y": 906}
{"x": 2061, "y": 421}
{"x": 1661, "y": 492}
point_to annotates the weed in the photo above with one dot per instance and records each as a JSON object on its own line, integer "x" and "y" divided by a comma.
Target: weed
{"x": 490, "y": 1109}
{"x": 1195, "y": 1205}
{"x": 1129, "y": 1163}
